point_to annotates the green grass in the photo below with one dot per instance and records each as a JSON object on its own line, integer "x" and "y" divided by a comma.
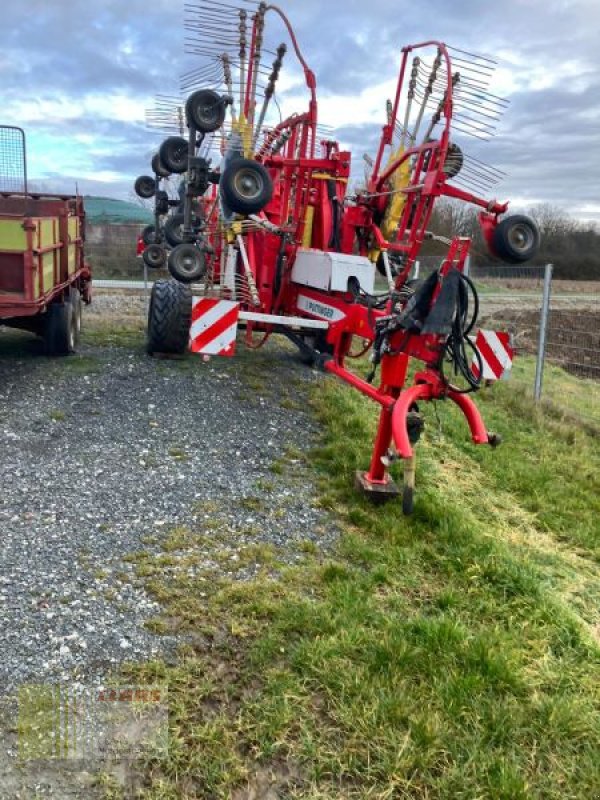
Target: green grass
{"x": 454, "y": 654}
{"x": 564, "y": 396}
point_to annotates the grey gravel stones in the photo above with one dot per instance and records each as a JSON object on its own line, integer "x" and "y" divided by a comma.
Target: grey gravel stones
{"x": 112, "y": 449}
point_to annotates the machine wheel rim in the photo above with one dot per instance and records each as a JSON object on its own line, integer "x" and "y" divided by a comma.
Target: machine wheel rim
{"x": 521, "y": 237}
{"x": 187, "y": 263}
{"x": 248, "y": 183}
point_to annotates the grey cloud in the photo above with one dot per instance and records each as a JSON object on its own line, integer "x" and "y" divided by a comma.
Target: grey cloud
{"x": 547, "y": 142}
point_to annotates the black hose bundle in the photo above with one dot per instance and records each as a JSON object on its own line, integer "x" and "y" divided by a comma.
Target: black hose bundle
{"x": 459, "y": 344}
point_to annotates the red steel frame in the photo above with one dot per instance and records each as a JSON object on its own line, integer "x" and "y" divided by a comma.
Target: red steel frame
{"x": 303, "y": 180}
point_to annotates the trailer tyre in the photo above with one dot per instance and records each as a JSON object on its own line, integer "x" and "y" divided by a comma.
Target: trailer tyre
{"x": 173, "y": 153}
{"x": 169, "y": 318}
{"x": 187, "y": 263}
{"x": 246, "y": 186}
{"x": 60, "y": 333}
{"x": 516, "y": 239}
{"x": 205, "y": 110}
{"x": 145, "y": 187}
{"x": 154, "y": 256}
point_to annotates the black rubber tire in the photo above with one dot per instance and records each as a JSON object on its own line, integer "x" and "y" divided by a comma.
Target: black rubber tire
{"x": 161, "y": 205}
{"x": 154, "y": 256}
{"x": 187, "y": 263}
{"x": 318, "y": 341}
{"x": 408, "y": 500}
{"x": 149, "y": 235}
{"x": 173, "y": 229}
{"x": 145, "y": 187}
{"x": 158, "y": 167}
{"x": 380, "y": 266}
{"x": 245, "y": 186}
{"x": 205, "y": 110}
{"x": 173, "y": 153}
{"x": 77, "y": 305}
{"x": 516, "y": 239}
{"x": 169, "y": 318}
{"x": 60, "y": 334}
{"x": 454, "y": 161}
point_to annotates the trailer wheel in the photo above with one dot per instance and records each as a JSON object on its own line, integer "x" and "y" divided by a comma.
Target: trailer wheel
{"x": 158, "y": 167}
{"x": 154, "y": 256}
{"x": 60, "y": 332}
{"x": 246, "y": 186}
{"x": 187, "y": 263}
{"x": 205, "y": 110}
{"x": 516, "y": 239}
{"x": 173, "y": 153}
{"x": 145, "y": 187}
{"x": 169, "y": 317}
{"x": 149, "y": 235}
{"x": 174, "y": 229}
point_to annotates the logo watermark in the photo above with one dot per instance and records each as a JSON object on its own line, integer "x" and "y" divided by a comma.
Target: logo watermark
{"x": 82, "y": 722}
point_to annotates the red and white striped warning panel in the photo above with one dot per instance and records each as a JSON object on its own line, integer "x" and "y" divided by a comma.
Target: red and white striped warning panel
{"x": 496, "y": 350}
{"x": 214, "y": 326}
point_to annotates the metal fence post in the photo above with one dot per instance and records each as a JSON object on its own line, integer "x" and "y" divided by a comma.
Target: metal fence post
{"x": 539, "y": 367}
{"x": 467, "y": 266}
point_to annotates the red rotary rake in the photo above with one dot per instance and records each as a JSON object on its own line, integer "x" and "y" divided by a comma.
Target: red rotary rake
{"x": 282, "y": 244}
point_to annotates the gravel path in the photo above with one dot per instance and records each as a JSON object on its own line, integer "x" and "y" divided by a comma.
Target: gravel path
{"x": 110, "y": 450}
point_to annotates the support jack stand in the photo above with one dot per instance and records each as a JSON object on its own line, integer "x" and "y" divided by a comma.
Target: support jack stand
{"x": 377, "y": 491}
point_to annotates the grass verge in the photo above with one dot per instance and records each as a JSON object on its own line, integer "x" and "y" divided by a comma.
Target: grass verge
{"x": 451, "y": 655}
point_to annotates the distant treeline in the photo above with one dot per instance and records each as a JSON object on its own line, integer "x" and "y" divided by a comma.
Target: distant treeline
{"x": 572, "y": 246}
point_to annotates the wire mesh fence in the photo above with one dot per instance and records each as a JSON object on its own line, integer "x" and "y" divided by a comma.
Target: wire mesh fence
{"x": 13, "y": 159}
{"x": 111, "y": 251}
{"x": 556, "y": 339}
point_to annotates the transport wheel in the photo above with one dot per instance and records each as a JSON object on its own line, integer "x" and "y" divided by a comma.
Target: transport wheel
{"x": 149, "y": 235}
{"x": 205, "y": 110}
{"x": 454, "y": 161}
{"x": 187, "y": 263}
{"x": 158, "y": 167}
{"x": 75, "y": 300}
{"x": 145, "y": 187}
{"x": 169, "y": 317}
{"x": 154, "y": 256}
{"x": 60, "y": 333}
{"x": 173, "y": 153}
{"x": 246, "y": 186}
{"x": 516, "y": 239}
{"x": 174, "y": 229}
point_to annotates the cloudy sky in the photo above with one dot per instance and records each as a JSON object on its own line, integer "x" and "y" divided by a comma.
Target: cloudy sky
{"x": 79, "y": 74}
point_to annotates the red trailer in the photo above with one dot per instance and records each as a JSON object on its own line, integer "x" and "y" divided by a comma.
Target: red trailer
{"x": 43, "y": 273}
